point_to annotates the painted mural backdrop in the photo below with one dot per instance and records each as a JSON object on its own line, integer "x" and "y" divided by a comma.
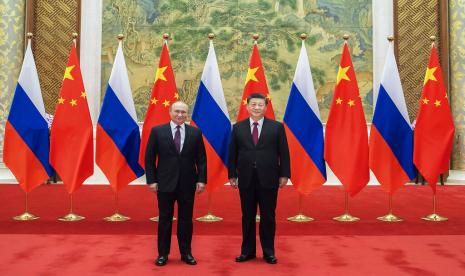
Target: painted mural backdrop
{"x": 279, "y": 24}
{"x": 11, "y": 47}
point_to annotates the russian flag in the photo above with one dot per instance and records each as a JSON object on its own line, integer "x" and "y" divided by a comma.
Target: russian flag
{"x": 304, "y": 130}
{"x": 211, "y": 116}
{"x": 118, "y": 138}
{"x": 26, "y": 143}
{"x": 391, "y": 135}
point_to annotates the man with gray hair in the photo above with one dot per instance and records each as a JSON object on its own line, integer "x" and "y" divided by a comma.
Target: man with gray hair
{"x": 176, "y": 168}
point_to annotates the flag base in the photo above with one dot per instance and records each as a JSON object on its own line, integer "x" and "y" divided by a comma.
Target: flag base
{"x": 209, "y": 218}
{"x": 71, "y": 217}
{"x": 390, "y": 218}
{"x": 300, "y": 218}
{"x": 434, "y": 217}
{"x": 257, "y": 218}
{"x": 25, "y": 216}
{"x": 116, "y": 217}
{"x": 346, "y": 218}
{"x": 157, "y": 218}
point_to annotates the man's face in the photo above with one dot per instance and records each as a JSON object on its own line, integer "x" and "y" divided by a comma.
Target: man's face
{"x": 178, "y": 113}
{"x": 256, "y": 108}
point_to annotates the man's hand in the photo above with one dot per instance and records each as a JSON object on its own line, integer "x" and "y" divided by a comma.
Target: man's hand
{"x": 283, "y": 182}
{"x": 200, "y": 187}
{"x": 233, "y": 182}
{"x": 154, "y": 187}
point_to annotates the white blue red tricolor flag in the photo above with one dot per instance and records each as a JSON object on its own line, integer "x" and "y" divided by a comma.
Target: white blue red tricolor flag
{"x": 26, "y": 143}
{"x": 391, "y": 135}
{"x": 304, "y": 130}
{"x": 118, "y": 138}
{"x": 210, "y": 114}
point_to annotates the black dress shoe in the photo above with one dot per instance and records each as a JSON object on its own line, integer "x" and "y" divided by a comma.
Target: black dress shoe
{"x": 244, "y": 257}
{"x": 271, "y": 259}
{"x": 161, "y": 260}
{"x": 188, "y": 259}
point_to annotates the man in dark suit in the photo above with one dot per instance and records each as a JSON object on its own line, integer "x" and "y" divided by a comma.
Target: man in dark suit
{"x": 175, "y": 167}
{"x": 258, "y": 164}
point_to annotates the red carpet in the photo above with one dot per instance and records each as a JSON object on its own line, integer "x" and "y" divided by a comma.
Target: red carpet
{"x": 322, "y": 247}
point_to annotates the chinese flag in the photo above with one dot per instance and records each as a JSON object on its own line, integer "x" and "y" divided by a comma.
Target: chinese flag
{"x": 434, "y": 129}
{"x": 255, "y": 82}
{"x": 164, "y": 93}
{"x": 346, "y": 140}
{"x": 71, "y": 141}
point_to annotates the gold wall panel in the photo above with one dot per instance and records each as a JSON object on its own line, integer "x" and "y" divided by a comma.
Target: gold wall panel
{"x": 52, "y": 22}
{"x": 415, "y": 21}
{"x": 457, "y": 77}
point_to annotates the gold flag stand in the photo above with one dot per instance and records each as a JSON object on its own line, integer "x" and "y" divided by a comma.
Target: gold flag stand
{"x": 257, "y": 216}
{"x": 390, "y": 217}
{"x": 116, "y": 217}
{"x": 71, "y": 216}
{"x": 346, "y": 217}
{"x": 209, "y": 217}
{"x": 434, "y": 216}
{"x": 26, "y": 215}
{"x": 300, "y": 217}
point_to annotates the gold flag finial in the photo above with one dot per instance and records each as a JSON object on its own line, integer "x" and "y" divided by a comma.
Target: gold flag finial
{"x": 75, "y": 35}
{"x": 29, "y": 35}
{"x": 346, "y": 37}
{"x": 255, "y": 36}
{"x": 303, "y": 36}
{"x": 166, "y": 36}
{"x": 120, "y": 37}
{"x": 432, "y": 38}
{"x": 390, "y": 38}
{"x": 211, "y": 36}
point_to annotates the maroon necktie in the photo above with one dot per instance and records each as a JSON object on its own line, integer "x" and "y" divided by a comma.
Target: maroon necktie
{"x": 177, "y": 138}
{"x": 255, "y": 133}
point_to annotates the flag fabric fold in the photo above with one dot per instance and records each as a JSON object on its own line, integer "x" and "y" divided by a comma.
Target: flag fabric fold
{"x": 71, "y": 134}
{"x": 304, "y": 130}
{"x": 26, "y": 141}
{"x": 164, "y": 94}
{"x": 391, "y": 134}
{"x": 118, "y": 138}
{"x": 211, "y": 115}
{"x": 346, "y": 139}
{"x": 255, "y": 82}
{"x": 434, "y": 128}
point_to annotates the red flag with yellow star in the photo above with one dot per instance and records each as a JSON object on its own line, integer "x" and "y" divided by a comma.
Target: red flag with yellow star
{"x": 164, "y": 93}
{"x": 346, "y": 140}
{"x": 255, "y": 82}
{"x": 71, "y": 135}
{"x": 434, "y": 128}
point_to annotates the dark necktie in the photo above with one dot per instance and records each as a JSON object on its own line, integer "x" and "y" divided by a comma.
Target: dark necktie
{"x": 255, "y": 133}
{"x": 177, "y": 138}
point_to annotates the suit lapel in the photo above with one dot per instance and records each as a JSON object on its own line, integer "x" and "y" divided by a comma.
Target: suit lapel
{"x": 170, "y": 139}
{"x": 187, "y": 133}
{"x": 264, "y": 128}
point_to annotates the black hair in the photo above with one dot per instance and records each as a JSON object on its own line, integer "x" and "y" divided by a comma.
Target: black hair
{"x": 257, "y": 96}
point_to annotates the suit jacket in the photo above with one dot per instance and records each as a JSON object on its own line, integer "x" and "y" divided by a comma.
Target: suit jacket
{"x": 165, "y": 166}
{"x": 270, "y": 157}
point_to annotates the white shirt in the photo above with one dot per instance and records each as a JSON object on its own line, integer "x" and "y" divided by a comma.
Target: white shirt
{"x": 259, "y": 126}
{"x": 182, "y": 130}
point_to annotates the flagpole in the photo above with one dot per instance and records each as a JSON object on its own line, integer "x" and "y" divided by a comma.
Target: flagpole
{"x": 346, "y": 217}
{"x": 166, "y": 37}
{"x": 26, "y": 215}
{"x": 71, "y": 216}
{"x": 434, "y": 216}
{"x": 300, "y": 217}
{"x": 390, "y": 217}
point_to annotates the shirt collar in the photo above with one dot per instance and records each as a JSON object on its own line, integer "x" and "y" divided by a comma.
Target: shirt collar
{"x": 260, "y": 122}
{"x": 173, "y": 125}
